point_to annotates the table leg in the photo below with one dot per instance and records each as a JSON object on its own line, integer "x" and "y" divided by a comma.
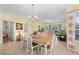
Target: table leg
{"x": 41, "y": 49}
{"x": 45, "y": 49}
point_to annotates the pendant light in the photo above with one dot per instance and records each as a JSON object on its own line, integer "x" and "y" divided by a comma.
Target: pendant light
{"x": 34, "y": 18}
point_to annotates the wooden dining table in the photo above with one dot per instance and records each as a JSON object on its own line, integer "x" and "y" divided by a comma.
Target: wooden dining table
{"x": 45, "y": 41}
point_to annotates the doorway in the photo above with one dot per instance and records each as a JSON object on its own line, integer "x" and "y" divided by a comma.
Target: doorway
{"x": 26, "y": 28}
{"x": 8, "y": 31}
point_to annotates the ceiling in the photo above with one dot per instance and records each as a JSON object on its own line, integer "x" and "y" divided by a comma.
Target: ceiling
{"x": 45, "y": 12}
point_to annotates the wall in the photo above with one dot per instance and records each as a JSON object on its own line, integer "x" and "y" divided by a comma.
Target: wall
{"x": 1, "y": 40}
{"x": 33, "y": 26}
{"x": 63, "y": 25}
{"x": 46, "y": 27}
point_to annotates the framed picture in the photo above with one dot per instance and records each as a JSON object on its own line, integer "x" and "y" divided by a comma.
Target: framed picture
{"x": 19, "y": 26}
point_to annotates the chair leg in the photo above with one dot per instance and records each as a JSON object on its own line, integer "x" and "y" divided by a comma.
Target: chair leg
{"x": 54, "y": 51}
{"x": 50, "y": 51}
{"x": 38, "y": 50}
{"x": 27, "y": 51}
{"x": 41, "y": 50}
{"x": 45, "y": 49}
{"x": 32, "y": 51}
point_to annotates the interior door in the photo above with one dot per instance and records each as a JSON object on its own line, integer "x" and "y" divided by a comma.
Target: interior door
{"x": 11, "y": 30}
{"x": 26, "y": 28}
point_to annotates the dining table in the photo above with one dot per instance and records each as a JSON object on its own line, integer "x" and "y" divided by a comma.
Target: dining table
{"x": 42, "y": 41}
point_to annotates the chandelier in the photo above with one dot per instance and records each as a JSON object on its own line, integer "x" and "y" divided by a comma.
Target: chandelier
{"x": 33, "y": 17}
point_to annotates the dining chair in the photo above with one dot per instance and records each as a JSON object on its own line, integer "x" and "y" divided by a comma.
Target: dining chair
{"x": 31, "y": 45}
{"x": 51, "y": 47}
{"x": 53, "y": 44}
{"x": 23, "y": 39}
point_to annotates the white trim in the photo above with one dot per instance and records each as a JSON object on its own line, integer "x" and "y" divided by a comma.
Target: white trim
{"x": 1, "y": 32}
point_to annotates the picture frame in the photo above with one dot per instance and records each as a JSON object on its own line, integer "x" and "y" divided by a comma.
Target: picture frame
{"x": 19, "y": 26}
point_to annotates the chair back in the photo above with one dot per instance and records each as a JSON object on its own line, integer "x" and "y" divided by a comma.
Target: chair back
{"x": 29, "y": 41}
{"x": 23, "y": 34}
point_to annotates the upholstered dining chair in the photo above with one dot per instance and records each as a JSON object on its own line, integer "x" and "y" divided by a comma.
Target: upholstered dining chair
{"x": 51, "y": 47}
{"x": 31, "y": 46}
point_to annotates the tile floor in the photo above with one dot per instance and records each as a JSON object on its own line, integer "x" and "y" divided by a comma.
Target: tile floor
{"x": 17, "y": 48}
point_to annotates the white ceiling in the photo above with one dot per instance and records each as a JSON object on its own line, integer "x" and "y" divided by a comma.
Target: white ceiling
{"x": 44, "y": 12}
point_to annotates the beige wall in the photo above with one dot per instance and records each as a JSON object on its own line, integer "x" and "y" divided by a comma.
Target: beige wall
{"x": 33, "y": 26}
{"x": 63, "y": 25}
